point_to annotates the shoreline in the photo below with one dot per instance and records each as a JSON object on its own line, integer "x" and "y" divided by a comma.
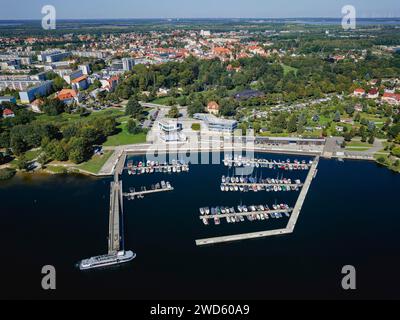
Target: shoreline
{"x": 176, "y": 151}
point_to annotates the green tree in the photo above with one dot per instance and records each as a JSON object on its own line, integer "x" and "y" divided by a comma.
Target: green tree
{"x": 371, "y": 139}
{"x": 22, "y": 163}
{"x": 336, "y": 118}
{"x": 292, "y": 124}
{"x": 53, "y": 107}
{"x": 133, "y": 128}
{"x": 134, "y": 108}
{"x": 79, "y": 150}
{"x": 174, "y": 112}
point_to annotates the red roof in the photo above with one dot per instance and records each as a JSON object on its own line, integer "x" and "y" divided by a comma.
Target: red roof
{"x": 8, "y": 112}
{"x": 213, "y": 105}
{"x": 222, "y": 51}
{"x": 392, "y": 96}
{"x": 77, "y": 80}
{"x": 66, "y": 94}
{"x": 373, "y": 91}
{"x": 359, "y": 90}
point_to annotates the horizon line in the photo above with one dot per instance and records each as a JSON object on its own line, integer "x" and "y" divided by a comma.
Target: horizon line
{"x": 197, "y": 18}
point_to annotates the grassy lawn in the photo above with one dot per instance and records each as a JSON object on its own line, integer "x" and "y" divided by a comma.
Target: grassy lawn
{"x": 373, "y": 118}
{"x": 32, "y": 154}
{"x": 196, "y": 126}
{"x": 96, "y": 163}
{"x": 29, "y": 156}
{"x": 67, "y": 118}
{"x": 361, "y": 149}
{"x": 125, "y": 138}
{"x": 269, "y": 134}
{"x": 163, "y": 101}
{"x": 359, "y": 144}
{"x": 287, "y": 69}
{"x": 57, "y": 170}
{"x": 388, "y": 162}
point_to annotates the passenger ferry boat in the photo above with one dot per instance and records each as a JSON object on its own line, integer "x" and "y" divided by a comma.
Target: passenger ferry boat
{"x": 107, "y": 260}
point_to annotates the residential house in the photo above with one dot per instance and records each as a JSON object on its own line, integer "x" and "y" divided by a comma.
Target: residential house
{"x": 391, "y": 98}
{"x": 80, "y": 83}
{"x": 213, "y": 108}
{"x": 373, "y": 94}
{"x": 36, "y": 105}
{"x": 68, "y": 96}
{"x": 359, "y": 92}
{"x": 7, "y": 113}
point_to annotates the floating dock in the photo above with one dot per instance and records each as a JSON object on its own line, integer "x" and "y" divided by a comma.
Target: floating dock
{"x": 260, "y": 187}
{"x": 163, "y": 168}
{"x": 263, "y": 163}
{"x": 141, "y": 194}
{"x": 289, "y": 228}
{"x": 245, "y": 214}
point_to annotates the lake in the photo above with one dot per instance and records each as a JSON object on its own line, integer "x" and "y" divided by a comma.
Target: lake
{"x": 350, "y": 217}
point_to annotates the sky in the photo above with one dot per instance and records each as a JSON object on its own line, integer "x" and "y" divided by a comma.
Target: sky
{"x": 96, "y": 9}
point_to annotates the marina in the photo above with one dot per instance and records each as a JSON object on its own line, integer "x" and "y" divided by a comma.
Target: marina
{"x": 261, "y": 234}
{"x": 150, "y": 167}
{"x": 246, "y": 184}
{"x": 252, "y": 213}
{"x": 155, "y": 188}
{"x": 239, "y": 161}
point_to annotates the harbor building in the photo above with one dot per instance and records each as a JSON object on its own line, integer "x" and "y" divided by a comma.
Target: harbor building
{"x": 171, "y": 131}
{"x": 217, "y": 124}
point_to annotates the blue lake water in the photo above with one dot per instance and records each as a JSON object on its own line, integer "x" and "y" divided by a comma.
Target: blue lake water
{"x": 350, "y": 217}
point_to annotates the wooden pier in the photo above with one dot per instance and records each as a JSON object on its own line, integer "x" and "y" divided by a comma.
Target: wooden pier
{"x": 116, "y": 213}
{"x": 289, "y": 228}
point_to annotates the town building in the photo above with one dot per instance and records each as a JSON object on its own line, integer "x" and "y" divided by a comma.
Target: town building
{"x": 85, "y": 68}
{"x": 9, "y": 99}
{"x": 373, "y": 94}
{"x": 68, "y": 96}
{"x": 41, "y": 90}
{"x": 7, "y": 113}
{"x": 80, "y": 83}
{"x": 213, "y": 108}
{"x": 53, "y": 56}
{"x": 217, "y": 124}
{"x": 36, "y": 105}
{"x": 359, "y": 92}
{"x": 128, "y": 64}
{"x": 72, "y": 76}
{"x": 391, "y": 98}
{"x": 171, "y": 131}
